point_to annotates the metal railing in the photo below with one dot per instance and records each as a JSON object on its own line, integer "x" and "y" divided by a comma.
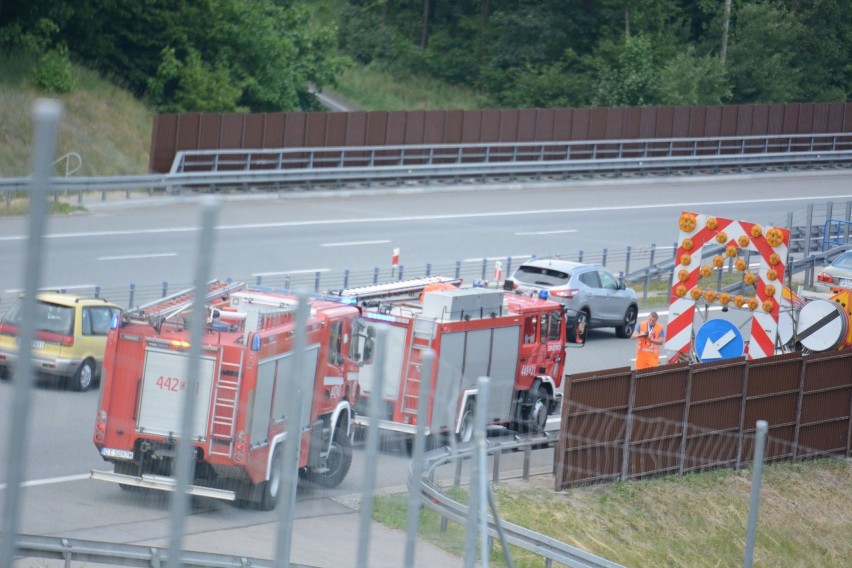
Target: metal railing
{"x": 288, "y": 168}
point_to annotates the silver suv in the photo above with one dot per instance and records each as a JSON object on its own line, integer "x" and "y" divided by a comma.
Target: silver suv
{"x": 593, "y": 297}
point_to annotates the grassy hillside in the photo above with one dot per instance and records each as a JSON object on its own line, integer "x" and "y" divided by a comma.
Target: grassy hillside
{"x": 104, "y": 124}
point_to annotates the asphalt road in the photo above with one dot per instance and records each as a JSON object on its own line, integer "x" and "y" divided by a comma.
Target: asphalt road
{"x": 112, "y": 246}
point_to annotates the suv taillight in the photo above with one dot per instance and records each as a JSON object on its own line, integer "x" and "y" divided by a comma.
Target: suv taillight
{"x": 567, "y": 294}
{"x": 6, "y": 329}
{"x": 823, "y": 277}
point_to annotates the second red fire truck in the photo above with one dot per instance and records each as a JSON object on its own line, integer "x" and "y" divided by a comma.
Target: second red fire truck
{"x": 516, "y": 341}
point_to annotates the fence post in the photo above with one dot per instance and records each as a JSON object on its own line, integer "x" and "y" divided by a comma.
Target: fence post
{"x": 376, "y": 275}
{"x": 286, "y": 281}
{"x": 345, "y": 278}
{"x": 484, "y": 267}
{"x": 97, "y": 291}
{"x": 458, "y": 269}
{"x": 603, "y": 261}
{"x": 257, "y": 279}
{"x": 652, "y": 255}
{"x": 645, "y": 285}
{"x": 428, "y": 269}
{"x": 627, "y": 261}
{"x": 808, "y": 227}
{"x": 401, "y": 269}
{"x": 580, "y": 256}
{"x": 757, "y": 475}
{"x": 508, "y": 266}
{"x": 165, "y": 288}
{"x": 132, "y": 293}
{"x": 316, "y": 281}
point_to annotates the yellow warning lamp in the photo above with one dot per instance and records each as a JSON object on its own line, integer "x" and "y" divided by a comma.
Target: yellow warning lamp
{"x": 687, "y": 244}
{"x": 769, "y": 290}
{"x": 740, "y": 264}
{"x": 743, "y": 241}
{"x": 739, "y": 300}
{"x": 718, "y": 261}
{"x": 695, "y": 293}
{"x": 680, "y": 291}
{"x": 756, "y": 231}
{"x": 724, "y": 298}
{"x": 749, "y": 279}
{"x": 685, "y": 259}
{"x": 683, "y": 274}
{"x": 774, "y": 259}
{"x": 687, "y": 222}
{"x": 768, "y": 305}
{"x": 710, "y": 295}
{"x": 705, "y": 271}
{"x": 772, "y": 274}
{"x": 774, "y": 237}
{"x": 722, "y": 237}
{"x": 753, "y": 303}
{"x": 731, "y": 251}
{"x": 712, "y": 223}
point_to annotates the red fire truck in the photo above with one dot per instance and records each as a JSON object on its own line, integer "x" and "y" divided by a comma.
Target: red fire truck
{"x": 516, "y": 341}
{"x": 244, "y": 381}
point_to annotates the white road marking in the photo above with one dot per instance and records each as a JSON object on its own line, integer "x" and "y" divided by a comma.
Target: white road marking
{"x": 51, "y": 288}
{"x": 524, "y": 234}
{"x": 374, "y": 220}
{"x": 512, "y": 256}
{"x": 50, "y": 480}
{"x": 138, "y": 256}
{"x": 354, "y": 243}
{"x": 311, "y": 271}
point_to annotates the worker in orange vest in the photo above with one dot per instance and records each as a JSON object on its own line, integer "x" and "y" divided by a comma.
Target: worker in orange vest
{"x": 651, "y": 336}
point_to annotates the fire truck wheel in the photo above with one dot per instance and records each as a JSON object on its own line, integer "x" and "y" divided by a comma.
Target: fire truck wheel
{"x": 534, "y": 417}
{"x": 625, "y": 330}
{"x": 465, "y": 434}
{"x": 271, "y": 489}
{"x": 84, "y": 377}
{"x": 337, "y": 462}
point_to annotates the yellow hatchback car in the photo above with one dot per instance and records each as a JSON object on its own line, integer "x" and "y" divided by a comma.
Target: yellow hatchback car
{"x": 71, "y": 334}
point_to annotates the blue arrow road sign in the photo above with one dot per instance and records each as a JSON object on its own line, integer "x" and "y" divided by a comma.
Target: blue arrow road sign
{"x": 718, "y": 339}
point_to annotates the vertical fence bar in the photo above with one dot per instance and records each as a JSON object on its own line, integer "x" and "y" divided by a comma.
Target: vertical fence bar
{"x": 165, "y": 289}
{"x": 286, "y": 281}
{"x": 759, "y": 446}
{"x": 603, "y": 259}
{"x": 371, "y": 465}
{"x": 627, "y": 260}
{"x": 46, "y": 114}
{"x": 316, "y": 281}
{"x": 458, "y": 269}
{"x": 184, "y": 466}
{"x": 417, "y": 458}
{"x": 376, "y": 275}
{"x": 131, "y": 294}
{"x": 290, "y": 457}
{"x": 428, "y": 269}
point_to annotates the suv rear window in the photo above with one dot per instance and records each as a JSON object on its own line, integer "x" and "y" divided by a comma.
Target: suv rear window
{"x": 542, "y": 276}
{"x": 53, "y": 318}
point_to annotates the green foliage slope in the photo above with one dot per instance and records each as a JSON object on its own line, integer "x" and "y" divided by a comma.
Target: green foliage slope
{"x": 104, "y": 124}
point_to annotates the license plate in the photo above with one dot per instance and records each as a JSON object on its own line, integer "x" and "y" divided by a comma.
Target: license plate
{"x": 38, "y": 344}
{"x": 845, "y": 282}
{"x": 118, "y": 454}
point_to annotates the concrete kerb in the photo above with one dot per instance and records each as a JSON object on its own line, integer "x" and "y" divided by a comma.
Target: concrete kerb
{"x": 143, "y": 198}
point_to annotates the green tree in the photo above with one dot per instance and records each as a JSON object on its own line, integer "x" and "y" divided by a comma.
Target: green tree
{"x": 688, "y": 79}
{"x": 762, "y": 57}
{"x": 630, "y": 76}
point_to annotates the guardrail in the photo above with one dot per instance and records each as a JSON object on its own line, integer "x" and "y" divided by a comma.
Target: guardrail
{"x": 407, "y": 164}
{"x": 434, "y": 498}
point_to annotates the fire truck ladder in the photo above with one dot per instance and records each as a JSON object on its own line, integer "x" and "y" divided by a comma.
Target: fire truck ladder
{"x": 395, "y": 291}
{"x": 159, "y": 310}
{"x": 225, "y": 400}
{"x": 424, "y": 331}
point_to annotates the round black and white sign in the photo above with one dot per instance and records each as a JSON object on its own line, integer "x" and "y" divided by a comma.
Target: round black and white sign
{"x": 823, "y": 325}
